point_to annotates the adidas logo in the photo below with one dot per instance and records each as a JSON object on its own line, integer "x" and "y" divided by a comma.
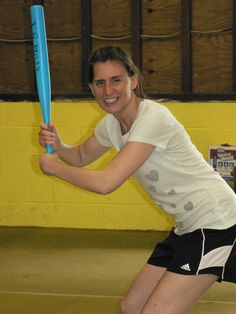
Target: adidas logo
{"x": 186, "y": 267}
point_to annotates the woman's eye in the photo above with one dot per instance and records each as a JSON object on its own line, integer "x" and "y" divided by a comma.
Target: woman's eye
{"x": 116, "y": 81}
{"x": 99, "y": 83}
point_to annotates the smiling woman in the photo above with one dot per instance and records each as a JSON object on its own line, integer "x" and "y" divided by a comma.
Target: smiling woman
{"x": 116, "y": 54}
{"x": 116, "y": 84}
{"x": 114, "y": 90}
{"x": 153, "y": 147}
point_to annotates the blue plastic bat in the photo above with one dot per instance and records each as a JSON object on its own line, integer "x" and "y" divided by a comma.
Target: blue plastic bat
{"x": 41, "y": 63}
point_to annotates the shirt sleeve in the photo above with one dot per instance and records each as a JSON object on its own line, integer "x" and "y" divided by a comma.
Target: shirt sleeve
{"x": 101, "y": 133}
{"x": 155, "y": 127}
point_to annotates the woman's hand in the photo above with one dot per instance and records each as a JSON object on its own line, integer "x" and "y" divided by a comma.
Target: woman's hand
{"x": 48, "y": 162}
{"x": 48, "y": 135}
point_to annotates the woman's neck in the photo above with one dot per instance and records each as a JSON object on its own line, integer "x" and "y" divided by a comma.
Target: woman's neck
{"x": 128, "y": 117}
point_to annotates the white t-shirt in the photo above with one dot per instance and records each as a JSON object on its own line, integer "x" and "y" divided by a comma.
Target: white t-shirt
{"x": 176, "y": 176}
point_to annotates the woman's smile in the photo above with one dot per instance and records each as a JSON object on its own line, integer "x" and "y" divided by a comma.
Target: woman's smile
{"x": 111, "y": 101}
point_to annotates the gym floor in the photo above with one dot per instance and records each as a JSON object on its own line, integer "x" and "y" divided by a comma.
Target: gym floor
{"x": 81, "y": 271}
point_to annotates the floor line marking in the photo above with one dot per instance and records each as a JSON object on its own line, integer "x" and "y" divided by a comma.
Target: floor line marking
{"x": 98, "y": 296}
{"x": 61, "y": 294}
{"x": 217, "y": 301}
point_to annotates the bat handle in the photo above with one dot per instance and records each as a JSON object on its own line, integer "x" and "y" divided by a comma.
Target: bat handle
{"x": 49, "y": 149}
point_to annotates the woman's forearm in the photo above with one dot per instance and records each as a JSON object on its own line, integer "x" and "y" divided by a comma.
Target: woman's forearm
{"x": 83, "y": 154}
{"x": 70, "y": 154}
{"x": 90, "y": 180}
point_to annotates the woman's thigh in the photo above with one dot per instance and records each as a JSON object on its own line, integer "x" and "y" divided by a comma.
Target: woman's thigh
{"x": 142, "y": 288}
{"x": 177, "y": 293}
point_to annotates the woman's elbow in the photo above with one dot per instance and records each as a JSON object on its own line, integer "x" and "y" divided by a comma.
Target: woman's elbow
{"x": 106, "y": 188}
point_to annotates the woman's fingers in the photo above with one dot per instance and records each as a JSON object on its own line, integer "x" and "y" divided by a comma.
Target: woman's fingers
{"x": 48, "y": 135}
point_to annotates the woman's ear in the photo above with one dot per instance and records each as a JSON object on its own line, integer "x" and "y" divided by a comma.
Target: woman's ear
{"x": 91, "y": 88}
{"x": 134, "y": 82}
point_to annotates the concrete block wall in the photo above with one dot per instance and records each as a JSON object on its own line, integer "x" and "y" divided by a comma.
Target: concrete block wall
{"x": 28, "y": 198}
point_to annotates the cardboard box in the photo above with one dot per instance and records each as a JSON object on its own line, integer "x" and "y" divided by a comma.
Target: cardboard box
{"x": 223, "y": 159}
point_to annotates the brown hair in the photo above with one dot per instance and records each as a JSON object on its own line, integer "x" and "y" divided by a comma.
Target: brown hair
{"x": 113, "y": 53}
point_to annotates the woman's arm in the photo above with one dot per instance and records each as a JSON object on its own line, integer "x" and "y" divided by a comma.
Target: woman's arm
{"x": 105, "y": 181}
{"x": 83, "y": 154}
{"x": 73, "y": 155}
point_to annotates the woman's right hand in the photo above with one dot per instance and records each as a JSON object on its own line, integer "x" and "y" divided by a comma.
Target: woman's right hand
{"x": 48, "y": 135}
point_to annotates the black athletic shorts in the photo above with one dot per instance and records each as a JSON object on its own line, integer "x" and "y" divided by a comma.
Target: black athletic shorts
{"x": 203, "y": 251}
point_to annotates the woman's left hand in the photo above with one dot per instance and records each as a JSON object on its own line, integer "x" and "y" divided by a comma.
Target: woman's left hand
{"x": 47, "y": 163}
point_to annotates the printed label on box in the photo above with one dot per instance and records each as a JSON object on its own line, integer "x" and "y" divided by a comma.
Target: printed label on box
{"x": 223, "y": 159}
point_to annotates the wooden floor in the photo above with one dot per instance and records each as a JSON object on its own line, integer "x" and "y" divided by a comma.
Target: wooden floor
{"x": 77, "y": 271}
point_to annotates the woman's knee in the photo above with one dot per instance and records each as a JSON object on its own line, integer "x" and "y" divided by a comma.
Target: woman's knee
{"x": 129, "y": 307}
{"x": 157, "y": 309}
{"x": 126, "y": 307}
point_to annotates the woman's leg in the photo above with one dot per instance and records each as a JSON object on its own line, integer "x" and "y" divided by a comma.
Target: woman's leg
{"x": 176, "y": 294}
{"x": 141, "y": 289}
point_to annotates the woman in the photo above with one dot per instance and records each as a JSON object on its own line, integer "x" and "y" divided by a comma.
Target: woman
{"x": 155, "y": 148}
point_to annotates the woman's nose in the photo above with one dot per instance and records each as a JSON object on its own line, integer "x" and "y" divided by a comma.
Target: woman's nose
{"x": 107, "y": 88}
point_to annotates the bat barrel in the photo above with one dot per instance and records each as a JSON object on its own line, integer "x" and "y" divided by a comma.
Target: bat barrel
{"x": 41, "y": 63}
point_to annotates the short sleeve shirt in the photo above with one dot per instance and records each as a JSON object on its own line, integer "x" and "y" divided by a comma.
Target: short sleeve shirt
{"x": 176, "y": 176}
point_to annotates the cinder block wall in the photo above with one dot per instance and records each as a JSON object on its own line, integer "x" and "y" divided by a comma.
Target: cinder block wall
{"x": 29, "y": 198}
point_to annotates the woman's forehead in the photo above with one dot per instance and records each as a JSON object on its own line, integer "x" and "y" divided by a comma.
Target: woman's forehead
{"x": 108, "y": 68}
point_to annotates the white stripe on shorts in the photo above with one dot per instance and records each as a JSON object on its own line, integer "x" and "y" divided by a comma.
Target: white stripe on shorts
{"x": 203, "y": 246}
{"x": 224, "y": 266}
{"x": 214, "y": 258}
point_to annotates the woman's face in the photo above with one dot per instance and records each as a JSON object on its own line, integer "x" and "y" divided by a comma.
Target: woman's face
{"x": 112, "y": 87}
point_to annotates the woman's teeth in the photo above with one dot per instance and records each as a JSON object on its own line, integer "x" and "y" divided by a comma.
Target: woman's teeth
{"x": 111, "y": 101}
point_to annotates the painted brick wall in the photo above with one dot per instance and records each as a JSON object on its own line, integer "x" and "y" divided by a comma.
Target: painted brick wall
{"x": 28, "y": 198}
